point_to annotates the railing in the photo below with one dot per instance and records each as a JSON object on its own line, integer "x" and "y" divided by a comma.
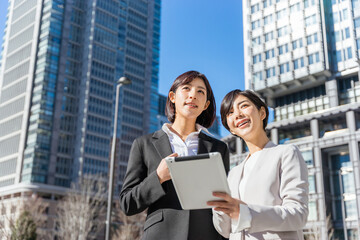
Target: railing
{"x": 352, "y": 95}
{"x": 301, "y": 108}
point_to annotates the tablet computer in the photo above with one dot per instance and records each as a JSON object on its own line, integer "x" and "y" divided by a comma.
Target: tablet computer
{"x": 195, "y": 178}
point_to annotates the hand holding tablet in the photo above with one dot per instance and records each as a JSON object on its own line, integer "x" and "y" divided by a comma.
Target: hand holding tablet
{"x": 195, "y": 178}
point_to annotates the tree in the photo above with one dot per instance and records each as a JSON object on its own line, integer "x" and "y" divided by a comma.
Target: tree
{"x": 25, "y": 228}
{"x": 21, "y": 216}
{"x": 129, "y": 227}
{"x": 80, "y": 214}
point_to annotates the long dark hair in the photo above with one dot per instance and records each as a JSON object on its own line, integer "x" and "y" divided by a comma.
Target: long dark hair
{"x": 207, "y": 117}
{"x": 228, "y": 102}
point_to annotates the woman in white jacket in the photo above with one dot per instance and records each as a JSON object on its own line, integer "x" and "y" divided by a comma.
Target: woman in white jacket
{"x": 269, "y": 189}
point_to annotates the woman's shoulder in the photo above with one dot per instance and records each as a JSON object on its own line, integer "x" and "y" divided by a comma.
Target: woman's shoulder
{"x": 282, "y": 148}
{"x": 207, "y": 136}
{"x": 149, "y": 137}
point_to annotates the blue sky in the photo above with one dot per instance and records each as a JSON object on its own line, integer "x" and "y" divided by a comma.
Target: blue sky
{"x": 202, "y": 35}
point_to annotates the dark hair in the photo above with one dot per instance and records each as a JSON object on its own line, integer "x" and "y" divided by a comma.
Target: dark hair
{"x": 207, "y": 117}
{"x": 228, "y": 102}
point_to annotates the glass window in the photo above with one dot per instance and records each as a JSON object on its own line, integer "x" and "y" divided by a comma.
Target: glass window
{"x": 332, "y": 124}
{"x": 258, "y": 76}
{"x": 308, "y": 157}
{"x": 338, "y": 56}
{"x": 311, "y": 60}
{"x": 357, "y": 22}
{"x": 345, "y": 14}
{"x": 312, "y": 211}
{"x": 270, "y": 72}
{"x": 336, "y": 17}
{"x": 255, "y": 24}
{"x": 337, "y": 36}
{"x": 268, "y": 19}
{"x": 309, "y": 40}
{"x": 254, "y": 8}
{"x": 347, "y": 32}
{"x": 357, "y": 119}
{"x": 312, "y": 185}
{"x": 349, "y": 53}
{"x": 269, "y": 36}
{"x": 315, "y": 38}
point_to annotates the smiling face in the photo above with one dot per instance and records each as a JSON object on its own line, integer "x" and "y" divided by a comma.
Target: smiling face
{"x": 244, "y": 119}
{"x": 190, "y": 99}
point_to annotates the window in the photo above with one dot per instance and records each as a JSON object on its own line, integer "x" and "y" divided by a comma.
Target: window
{"x": 297, "y": 44}
{"x": 283, "y": 49}
{"x": 256, "y": 40}
{"x": 337, "y": 36}
{"x": 299, "y": 63}
{"x": 267, "y": 3}
{"x": 295, "y": 7}
{"x": 312, "y": 211}
{"x": 255, "y": 8}
{"x": 257, "y": 58}
{"x": 336, "y": 17}
{"x": 258, "y": 76}
{"x": 314, "y": 58}
{"x": 313, "y": 38}
{"x": 270, "y": 54}
{"x": 268, "y": 19}
{"x": 310, "y": 20}
{"x": 284, "y": 68}
{"x": 308, "y": 3}
{"x": 270, "y": 72}
{"x": 255, "y": 24}
{"x": 345, "y": 14}
{"x": 308, "y": 157}
{"x": 347, "y": 33}
{"x": 338, "y": 56}
{"x": 357, "y": 22}
{"x": 280, "y": 14}
{"x": 349, "y": 53}
{"x": 282, "y": 31}
{"x": 269, "y": 36}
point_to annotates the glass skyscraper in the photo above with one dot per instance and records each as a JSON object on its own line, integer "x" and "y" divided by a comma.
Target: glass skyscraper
{"x": 61, "y": 60}
{"x": 302, "y": 57}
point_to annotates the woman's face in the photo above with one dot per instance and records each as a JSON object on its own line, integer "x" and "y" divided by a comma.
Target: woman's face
{"x": 190, "y": 99}
{"x": 244, "y": 119}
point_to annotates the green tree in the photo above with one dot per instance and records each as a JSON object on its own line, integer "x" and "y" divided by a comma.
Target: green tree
{"x": 24, "y": 228}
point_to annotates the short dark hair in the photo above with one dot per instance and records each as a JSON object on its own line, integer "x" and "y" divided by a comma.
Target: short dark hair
{"x": 228, "y": 102}
{"x": 207, "y": 117}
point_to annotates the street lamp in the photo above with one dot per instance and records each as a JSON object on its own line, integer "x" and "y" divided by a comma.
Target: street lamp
{"x": 122, "y": 81}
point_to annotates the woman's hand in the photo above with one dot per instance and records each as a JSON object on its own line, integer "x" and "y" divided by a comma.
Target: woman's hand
{"x": 162, "y": 170}
{"x": 228, "y": 205}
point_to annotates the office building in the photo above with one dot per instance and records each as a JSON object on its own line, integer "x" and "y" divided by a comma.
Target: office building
{"x": 61, "y": 60}
{"x": 302, "y": 58}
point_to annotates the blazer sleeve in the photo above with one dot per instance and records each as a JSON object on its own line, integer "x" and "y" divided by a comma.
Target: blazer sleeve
{"x": 221, "y": 221}
{"x": 292, "y": 214}
{"x": 139, "y": 189}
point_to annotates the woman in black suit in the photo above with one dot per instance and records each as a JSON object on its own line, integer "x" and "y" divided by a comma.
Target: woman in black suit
{"x": 190, "y": 108}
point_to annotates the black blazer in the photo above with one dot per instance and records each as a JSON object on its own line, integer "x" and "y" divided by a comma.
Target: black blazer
{"x": 141, "y": 189}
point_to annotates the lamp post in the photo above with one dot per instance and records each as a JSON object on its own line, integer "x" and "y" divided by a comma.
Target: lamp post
{"x": 122, "y": 81}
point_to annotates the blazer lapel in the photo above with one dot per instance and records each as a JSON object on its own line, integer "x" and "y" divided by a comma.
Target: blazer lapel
{"x": 205, "y": 143}
{"x": 162, "y": 144}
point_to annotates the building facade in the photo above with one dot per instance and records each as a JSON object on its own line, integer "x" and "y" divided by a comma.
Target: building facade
{"x": 61, "y": 60}
{"x": 302, "y": 58}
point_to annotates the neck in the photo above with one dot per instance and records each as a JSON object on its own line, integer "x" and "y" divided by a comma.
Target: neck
{"x": 183, "y": 127}
{"x": 257, "y": 143}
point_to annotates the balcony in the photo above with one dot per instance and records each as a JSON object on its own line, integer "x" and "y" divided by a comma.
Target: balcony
{"x": 301, "y": 108}
{"x": 352, "y": 95}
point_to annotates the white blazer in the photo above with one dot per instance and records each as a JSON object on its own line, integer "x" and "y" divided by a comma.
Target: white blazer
{"x": 276, "y": 194}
